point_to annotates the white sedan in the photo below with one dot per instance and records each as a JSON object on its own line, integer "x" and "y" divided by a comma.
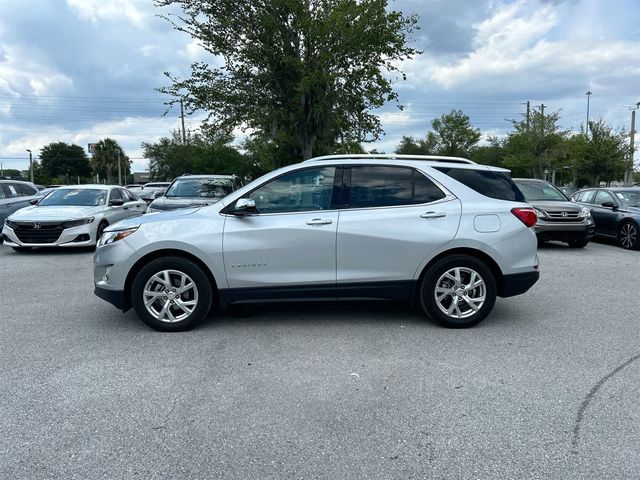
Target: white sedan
{"x": 71, "y": 216}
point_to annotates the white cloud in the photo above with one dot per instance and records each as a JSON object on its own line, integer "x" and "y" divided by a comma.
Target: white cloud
{"x": 96, "y": 10}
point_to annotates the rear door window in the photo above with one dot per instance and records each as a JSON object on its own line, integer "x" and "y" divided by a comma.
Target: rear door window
{"x": 585, "y": 197}
{"x": 489, "y": 183}
{"x": 25, "y": 190}
{"x": 383, "y": 186}
{"x": 425, "y": 191}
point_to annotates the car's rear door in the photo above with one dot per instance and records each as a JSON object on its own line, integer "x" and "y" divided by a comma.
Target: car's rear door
{"x": 133, "y": 206}
{"x": 287, "y": 249}
{"x": 393, "y": 218}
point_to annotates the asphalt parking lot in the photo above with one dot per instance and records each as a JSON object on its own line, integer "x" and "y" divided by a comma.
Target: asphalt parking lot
{"x": 546, "y": 387}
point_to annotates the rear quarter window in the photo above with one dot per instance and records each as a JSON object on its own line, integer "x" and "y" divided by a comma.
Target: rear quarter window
{"x": 491, "y": 184}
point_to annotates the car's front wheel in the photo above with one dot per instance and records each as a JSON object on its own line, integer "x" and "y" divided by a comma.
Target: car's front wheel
{"x": 171, "y": 294}
{"x": 628, "y": 236}
{"x": 458, "y": 291}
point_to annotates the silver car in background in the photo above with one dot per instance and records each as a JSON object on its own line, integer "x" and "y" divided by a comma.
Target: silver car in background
{"x": 71, "y": 216}
{"x": 14, "y": 195}
{"x": 446, "y": 232}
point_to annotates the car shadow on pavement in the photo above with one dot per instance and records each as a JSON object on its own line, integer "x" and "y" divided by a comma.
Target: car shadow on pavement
{"x": 54, "y": 251}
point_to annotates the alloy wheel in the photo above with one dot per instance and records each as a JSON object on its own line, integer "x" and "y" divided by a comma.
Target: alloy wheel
{"x": 170, "y": 296}
{"x": 460, "y": 292}
{"x": 628, "y": 235}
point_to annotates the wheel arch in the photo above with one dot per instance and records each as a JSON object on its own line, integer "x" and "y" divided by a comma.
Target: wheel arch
{"x": 472, "y": 252}
{"x": 167, "y": 252}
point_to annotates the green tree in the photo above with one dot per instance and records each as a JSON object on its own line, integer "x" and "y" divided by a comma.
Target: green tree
{"x": 454, "y": 134}
{"x": 106, "y": 155}
{"x": 605, "y": 155}
{"x": 305, "y": 73}
{"x": 491, "y": 154}
{"x": 535, "y": 148}
{"x": 413, "y": 146}
{"x": 11, "y": 172}
{"x": 203, "y": 153}
{"x": 64, "y": 161}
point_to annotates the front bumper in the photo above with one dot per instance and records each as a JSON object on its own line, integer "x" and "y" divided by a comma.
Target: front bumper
{"x": 81, "y": 236}
{"x": 564, "y": 231}
{"x": 117, "y": 298}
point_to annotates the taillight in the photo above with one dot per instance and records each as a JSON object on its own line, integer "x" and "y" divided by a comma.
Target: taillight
{"x": 526, "y": 215}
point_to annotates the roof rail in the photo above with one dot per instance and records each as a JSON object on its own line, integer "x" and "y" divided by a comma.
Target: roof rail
{"x": 402, "y": 156}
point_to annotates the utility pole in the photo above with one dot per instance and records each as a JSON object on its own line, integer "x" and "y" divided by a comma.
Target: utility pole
{"x": 119, "y": 168}
{"x": 30, "y": 165}
{"x": 545, "y": 169}
{"x": 184, "y": 135}
{"x": 528, "y": 113}
{"x": 628, "y": 181}
{"x": 588, "y": 94}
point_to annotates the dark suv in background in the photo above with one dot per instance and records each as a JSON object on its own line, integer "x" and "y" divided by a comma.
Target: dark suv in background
{"x": 558, "y": 217}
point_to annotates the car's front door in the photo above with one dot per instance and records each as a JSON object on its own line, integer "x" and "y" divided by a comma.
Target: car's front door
{"x": 605, "y": 217}
{"x": 288, "y": 247}
{"x": 394, "y": 217}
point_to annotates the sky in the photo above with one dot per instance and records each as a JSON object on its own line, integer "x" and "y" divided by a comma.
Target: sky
{"x": 78, "y": 71}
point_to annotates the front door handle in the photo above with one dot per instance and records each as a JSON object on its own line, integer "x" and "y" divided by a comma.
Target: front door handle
{"x": 319, "y": 221}
{"x": 433, "y": 215}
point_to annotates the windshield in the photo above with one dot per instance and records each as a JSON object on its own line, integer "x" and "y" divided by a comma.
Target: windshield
{"x": 538, "y": 191}
{"x": 75, "y": 197}
{"x": 201, "y": 187}
{"x": 628, "y": 198}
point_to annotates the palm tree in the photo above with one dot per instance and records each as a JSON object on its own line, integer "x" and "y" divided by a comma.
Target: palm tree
{"x": 105, "y": 158}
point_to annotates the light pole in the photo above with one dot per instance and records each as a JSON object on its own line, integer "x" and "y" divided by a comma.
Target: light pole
{"x": 629, "y": 173}
{"x": 30, "y": 165}
{"x": 588, "y": 94}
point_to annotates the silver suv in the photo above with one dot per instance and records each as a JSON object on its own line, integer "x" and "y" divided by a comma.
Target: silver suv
{"x": 446, "y": 232}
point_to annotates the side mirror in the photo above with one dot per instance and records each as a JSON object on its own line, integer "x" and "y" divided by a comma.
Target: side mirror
{"x": 34, "y": 201}
{"x": 116, "y": 202}
{"x": 609, "y": 205}
{"x": 244, "y": 206}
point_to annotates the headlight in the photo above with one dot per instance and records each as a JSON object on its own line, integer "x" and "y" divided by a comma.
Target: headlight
{"x": 585, "y": 212}
{"x": 114, "y": 236}
{"x": 9, "y": 223}
{"x": 77, "y": 223}
{"x": 541, "y": 214}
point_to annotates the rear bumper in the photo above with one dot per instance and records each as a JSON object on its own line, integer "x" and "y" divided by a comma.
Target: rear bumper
{"x": 517, "y": 283}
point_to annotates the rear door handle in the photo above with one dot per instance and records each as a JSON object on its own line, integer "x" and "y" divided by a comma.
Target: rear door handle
{"x": 319, "y": 221}
{"x": 433, "y": 215}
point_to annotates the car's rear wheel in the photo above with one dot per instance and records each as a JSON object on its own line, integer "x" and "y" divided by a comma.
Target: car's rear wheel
{"x": 458, "y": 291}
{"x": 578, "y": 243}
{"x": 171, "y": 294}
{"x": 628, "y": 236}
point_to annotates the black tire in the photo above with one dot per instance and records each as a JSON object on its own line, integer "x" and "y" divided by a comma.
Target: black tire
{"x": 101, "y": 227}
{"x": 203, "y": 289}
{"x": 578, "y": 243}
{"x": 629, "y": 235}
{"x": 429, "y": 282}
{"x": 22, "y": 249}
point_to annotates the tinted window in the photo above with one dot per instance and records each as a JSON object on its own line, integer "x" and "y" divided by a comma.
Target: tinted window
{"x": 304, "y": 190}
{"x": 115, "y": 195}
{"x": 25, "y": 190}
{"x": 380, "y": 186}
{"x": 10, "y": 190}
{"x": 602, "y": 197}
{"x": 491, "y": 184}
{"x": 127, "y": 195}
{"x": 425, "y": 190}
{"x": 2, "y": 194}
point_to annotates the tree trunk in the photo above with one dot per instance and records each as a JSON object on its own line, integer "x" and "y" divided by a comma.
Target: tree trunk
{"x": 307, "y": 150}
{"x": 108, "y": 168}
